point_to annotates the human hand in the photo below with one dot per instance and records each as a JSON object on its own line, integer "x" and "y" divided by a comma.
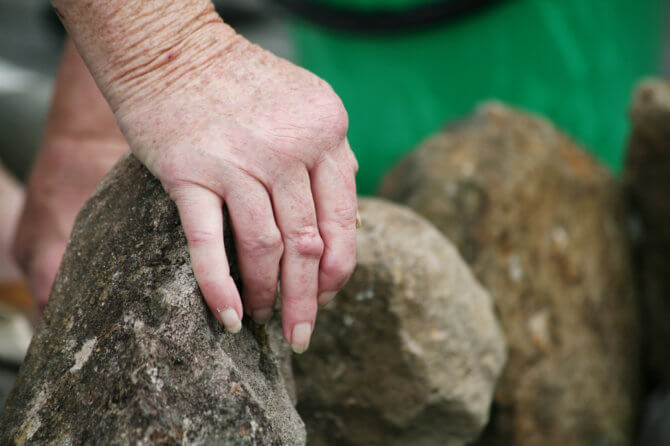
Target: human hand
{"x": 220, "y": 121}
{"x": 232, "y": 124}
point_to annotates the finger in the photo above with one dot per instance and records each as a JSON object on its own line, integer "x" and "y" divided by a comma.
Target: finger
{"x": 202, "y": 218}
{"x": 296, "y": 217}
{"x": 334, "y": 189}
{"x": 259, "y": 246}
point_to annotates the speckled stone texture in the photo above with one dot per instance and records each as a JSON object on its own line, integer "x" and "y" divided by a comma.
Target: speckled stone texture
{"x": 543, "y": 227}
{"x": 128, "y": 353}
{"x": 409, "y": 351}
{"x": 648, "y": 185}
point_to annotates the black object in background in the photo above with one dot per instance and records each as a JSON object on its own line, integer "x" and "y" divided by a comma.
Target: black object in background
{"x": 385, "y": 20}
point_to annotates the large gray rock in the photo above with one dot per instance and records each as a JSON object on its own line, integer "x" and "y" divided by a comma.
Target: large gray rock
{"x": 648, "y": 186}
{"x": 543, "y": 227}
{"x": 128, "y": 353}
{"x": 409, "y": 351}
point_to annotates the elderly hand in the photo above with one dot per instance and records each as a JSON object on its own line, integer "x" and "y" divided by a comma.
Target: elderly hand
{"x": 268, "y": 140}
{"x": 220, "y": 121}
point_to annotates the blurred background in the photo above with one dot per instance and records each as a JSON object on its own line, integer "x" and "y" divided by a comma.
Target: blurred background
{"x": 402, "y": 68}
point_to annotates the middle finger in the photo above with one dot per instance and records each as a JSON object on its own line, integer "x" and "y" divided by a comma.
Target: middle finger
{"x": 296, "y": 217}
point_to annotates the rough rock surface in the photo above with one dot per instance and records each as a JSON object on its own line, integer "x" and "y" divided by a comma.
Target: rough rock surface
{"x": 543, "y": 228}
{"x": 409, "y": 351}
{"x": 127, "y": 352}
{"x": 648, "y": 187}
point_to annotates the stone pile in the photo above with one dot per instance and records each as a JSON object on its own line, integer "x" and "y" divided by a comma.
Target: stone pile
{"x": 127, "y": 351}
{"x": 543, "y": 228}
{"x": 410, "y": 350}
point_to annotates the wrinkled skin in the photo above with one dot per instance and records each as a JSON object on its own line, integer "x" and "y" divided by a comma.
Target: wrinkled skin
{"x": 220, "y": 121}
{"x": 282, "y": 166}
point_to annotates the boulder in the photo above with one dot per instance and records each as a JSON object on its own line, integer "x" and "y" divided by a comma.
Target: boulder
{"x": 127, "y": 351}
{"x": 647, "y": 178}
{"x": 543, "y": 228}
{"x": 409, "y": 351}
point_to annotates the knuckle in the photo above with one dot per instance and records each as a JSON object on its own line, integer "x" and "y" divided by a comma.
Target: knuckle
{"x": 178, "y": 177}
{"x": 198, "y": 238}
{"x": 337, "y": 116}
{"x": 306, "y": 242}
{"x": 178, "y": 190}
{"x": 262, "y": 244}
{"x": 329, "y": 112}
{"x": 342, "y": 223}
{"x": 339, "y": 268}
{"x": 345, "y": 216}
{"x": 173, "y": 170}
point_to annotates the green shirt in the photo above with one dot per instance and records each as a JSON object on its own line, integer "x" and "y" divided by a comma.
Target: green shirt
{"x": 574, "y": 61}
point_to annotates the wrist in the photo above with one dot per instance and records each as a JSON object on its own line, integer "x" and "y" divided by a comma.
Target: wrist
{"x": 140, "y": 50}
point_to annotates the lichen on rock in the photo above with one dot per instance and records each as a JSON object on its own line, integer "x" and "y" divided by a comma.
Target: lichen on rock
{"x": 127, "y": 351}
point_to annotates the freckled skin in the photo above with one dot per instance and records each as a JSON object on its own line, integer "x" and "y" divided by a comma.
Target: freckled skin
{"x": 221, "y": 121}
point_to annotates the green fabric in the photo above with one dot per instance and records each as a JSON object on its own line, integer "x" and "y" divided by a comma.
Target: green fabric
{"x": 364, "y": 5}
{"x": 575, "y": 61}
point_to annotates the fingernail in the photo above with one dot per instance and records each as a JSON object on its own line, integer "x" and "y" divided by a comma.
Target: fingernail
{"x": 300, "y": 339}
{"x": 231, "y": 320}
{"x": 326, "y": 297}
{"x": 262, "y": 316}
{"x": 359, "y": 222}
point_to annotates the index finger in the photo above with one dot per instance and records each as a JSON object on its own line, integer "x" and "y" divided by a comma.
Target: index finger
{"x": 201, "y": 213}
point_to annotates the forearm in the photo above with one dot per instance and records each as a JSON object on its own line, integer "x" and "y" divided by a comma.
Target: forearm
{"x": 218, "y": 120}
{"x": 140, "y": 48}
{"x": 81, "y": 142}
{"x": 78, "y": 109}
